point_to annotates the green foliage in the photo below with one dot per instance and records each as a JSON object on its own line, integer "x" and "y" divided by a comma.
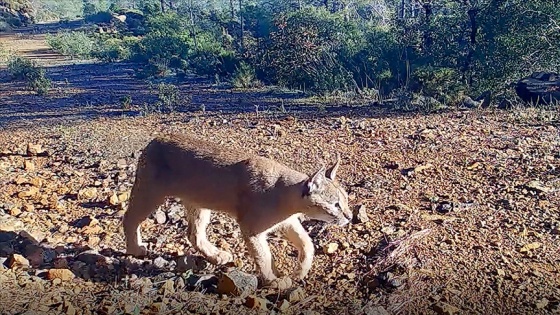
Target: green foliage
{"x": 24, "y": 69}
{"x": 440, "y": 83}
{"x": 73, "y": 44}
{"x": 307, "y": 50}
{"x": 244, "y": 76}
{"x": 168, "y": 98}
{"x": 111, "y": 49}
{"x": 48, "y": 10}
{"x": 448, "y": 49}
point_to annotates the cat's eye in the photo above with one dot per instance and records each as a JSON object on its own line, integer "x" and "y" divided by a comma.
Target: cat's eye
{"x": 337, "y": 205}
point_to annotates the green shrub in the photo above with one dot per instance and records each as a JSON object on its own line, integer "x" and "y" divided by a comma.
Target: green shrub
{"x": 308, "y": 50}
{"x": 73, "y": 44}
{"x": 244, "y": 76}
{"x": 113, "y": 49}
{"x": 442, "y": 84}
{"x": 24, "y": 69}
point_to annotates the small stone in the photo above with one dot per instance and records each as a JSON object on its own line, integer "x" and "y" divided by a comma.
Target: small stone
{"x": 91, "y": 257}
{"x": 296, "y": 295}
{"x": 160, "y": 217}
{"x": 69, "y": 309}
{"x": 168, "y": 287}
{"x": 330, "y": 248}
{"x": 29, "y": 166}
{"x": 15, "y": 211}
{"x": 157, "y": 307}
{"x": 122, "y": 163}
{"x": 375, "y": 310}
{"x": 87, "y": 193}
{"x": 34, "y": 149}
{"x": 237, "y": 283}
{"x": 114, "y": 200}
{"x": 62, "y": 274}
{"x": 256, "y": 303}
{"x": 85, "y": 221}
{"x": 442, "y": 308}
{"x": 388, "y": 230}
{"x": 60, "y": 263}
{"x": 360, "y": 214}
{"x": 32, "y": 191}
{"x": 17, "y": 261}
{"x": 542, "y": 303}
{"x": 160, "y": 262}
{"x": 283, "y": 305}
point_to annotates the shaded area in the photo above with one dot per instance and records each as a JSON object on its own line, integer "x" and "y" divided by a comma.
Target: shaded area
{"x": 93, "y": 90}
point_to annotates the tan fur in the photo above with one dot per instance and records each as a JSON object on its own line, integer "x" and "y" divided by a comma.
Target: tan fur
{"x": 261, "y": 194}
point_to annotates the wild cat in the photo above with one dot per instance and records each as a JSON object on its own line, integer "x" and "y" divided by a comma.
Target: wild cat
{"x": 261, "y": 194}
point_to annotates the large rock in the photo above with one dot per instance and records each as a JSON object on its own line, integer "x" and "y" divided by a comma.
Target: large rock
{"x": 539, "y": 88}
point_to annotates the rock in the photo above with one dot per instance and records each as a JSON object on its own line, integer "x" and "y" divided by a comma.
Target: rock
{"x": 17, "y": 261}
{"x": 85, "y": 221}
{"x": 160, "y": 262}
{"x": 375, "y": 310}
{"x": 160, "y": 217}
{"x": 62, "y": 274}
{"x": 283, "y": 305}
{"x": 540, "y": 88}
{"x": 35, "y": 237}
{"x": 69, "y": 309}
{"x": 296, "y": 295}
{"x": 168, "y": 287}
{"x": 34, "y": 255}
{"x": 91, "y": 257}
{"x": 3, "y": 261}
{"x": 34, "y": 149}
{"x": 29, "y": 166}
{"x": 360, "y": 214}
{"x": 32, "y": 191}
{"x": 257, "y": 303}
{"x": 114, "y": 200}
{"x": 237, "y": 283}
{"x": 15, "y": 211}
{"x": 442, "y": 308}
{"x": 60, "y": 263}
{"x": 87, "y": 193}
{"x": 9, "y": 223}
{"x": 330, "y": 248}
{"x": 175, "y": 213}
{"x": 542, "y": 303}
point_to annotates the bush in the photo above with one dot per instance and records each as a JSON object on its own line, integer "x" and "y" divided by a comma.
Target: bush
{"x": 113, "y": 49}
{"x": 441, "y": 83}
{"x": 73, "y": 44}
{"x": 308, "y": 50}
{"x": 27, "y": 70}
{"x": 244, "y": 77}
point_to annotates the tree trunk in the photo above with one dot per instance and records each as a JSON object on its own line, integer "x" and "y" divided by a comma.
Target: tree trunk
{"x": 428, "y": 11}
{"x": 162, "y": 3}
{"x": 473, "y": 12}
{"x": 242, "y": 26}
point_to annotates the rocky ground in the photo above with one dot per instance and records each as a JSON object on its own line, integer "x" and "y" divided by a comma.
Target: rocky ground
{"x": 455, "y": 213}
